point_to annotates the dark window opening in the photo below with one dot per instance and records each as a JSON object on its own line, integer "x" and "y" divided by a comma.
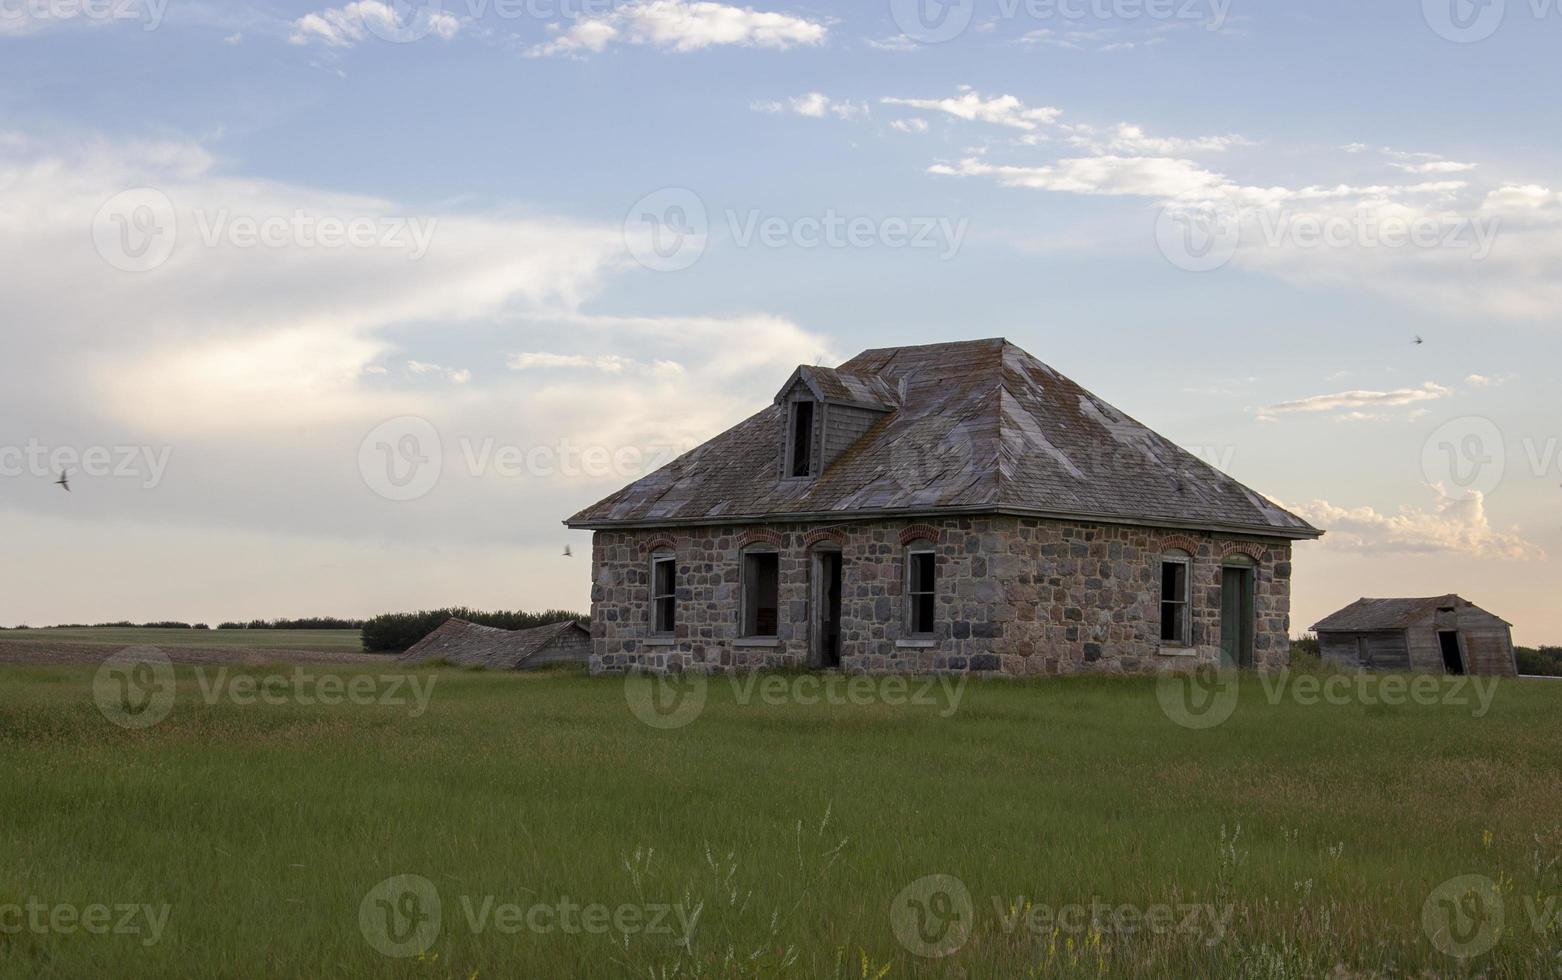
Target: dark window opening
{"x": 1452, "y": 662}
{"x": 664, "y": 604}
{"x": 1174, "y": 602}
{"x": 920, "y": 591}
{"x": 761, "y": 593}
{"x": 802, "y": 438}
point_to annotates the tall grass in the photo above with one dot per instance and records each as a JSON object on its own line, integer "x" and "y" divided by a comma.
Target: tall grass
{"x": 791, "y": 829}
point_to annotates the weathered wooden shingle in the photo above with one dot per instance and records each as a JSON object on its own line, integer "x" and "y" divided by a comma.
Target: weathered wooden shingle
{"x": 975, "y": 426}
{"x": 1367, "y": 615}
{"x": 465, "y": 644}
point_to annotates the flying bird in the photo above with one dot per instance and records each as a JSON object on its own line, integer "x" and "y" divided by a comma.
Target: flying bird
{"x": 567, "y": 553}
{"x": 64, "y": 481}
{"x": 1418, "y": 339}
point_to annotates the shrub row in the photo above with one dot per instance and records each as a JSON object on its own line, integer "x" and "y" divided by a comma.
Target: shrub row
{"x": 308, "y": 623}
{"x": 398, "y": 631}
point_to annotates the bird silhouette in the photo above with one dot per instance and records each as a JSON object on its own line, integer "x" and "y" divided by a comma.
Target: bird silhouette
{"x": 1418, "y": 339}
{"x": 567, "y": 552}
{"x": 64, "y": 481}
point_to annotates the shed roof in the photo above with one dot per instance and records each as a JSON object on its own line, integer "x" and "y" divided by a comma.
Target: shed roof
{"x": 471, "y": 645}
{"x": 1367, "y": 615}
{"x": 976, "y": 426}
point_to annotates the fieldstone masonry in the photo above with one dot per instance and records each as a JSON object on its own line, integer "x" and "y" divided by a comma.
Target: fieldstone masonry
{"x": 1015, "y": 596}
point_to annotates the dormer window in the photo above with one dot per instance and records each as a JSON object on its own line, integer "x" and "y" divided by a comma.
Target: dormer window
{"x": 802, "y": 459}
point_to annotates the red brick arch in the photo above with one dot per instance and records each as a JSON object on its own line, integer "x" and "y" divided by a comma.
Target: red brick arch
{"x": 661, "y": 543}
{"x": 920, "y": 532}
{"x": 1252, "y": 549}
{"x": 1180, "y": 542}
{"x": 759, "y": 535}
{"x": 825, "y": 535}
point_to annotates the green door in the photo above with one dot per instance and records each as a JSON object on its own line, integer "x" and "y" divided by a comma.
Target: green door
{"x": 1236, "y": 617}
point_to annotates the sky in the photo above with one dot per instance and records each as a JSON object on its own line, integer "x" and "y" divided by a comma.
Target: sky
{"x": 336, "y": 310}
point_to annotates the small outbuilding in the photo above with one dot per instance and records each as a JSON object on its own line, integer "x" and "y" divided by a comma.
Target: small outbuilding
{"x": 1436, "y": 635}
{"x": 465, "y": 644}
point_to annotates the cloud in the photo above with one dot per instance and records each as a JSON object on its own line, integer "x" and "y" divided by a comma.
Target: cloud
{"x": 895, "y": 42}
{"x": 1453, "y": 524}
{"x": 682, "y": 26}
{"x": 1488, "y": 381}
{"x": 1125, "y": 138}
{"x": 814, "y": 105}
{"x": 1357, "y": 400}
{"x": 1104, "y": 175}
{"x": 347, "y": 26}
{"x": 912, "y": 125}
{"x": 1000, "y": 110}
{"x": 263, "y": 368}
{"x": 458, "y": 376}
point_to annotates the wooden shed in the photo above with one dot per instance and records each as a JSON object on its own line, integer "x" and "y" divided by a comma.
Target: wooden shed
{"x": 465, "y": 644}
{"x": 1436, "y": 635}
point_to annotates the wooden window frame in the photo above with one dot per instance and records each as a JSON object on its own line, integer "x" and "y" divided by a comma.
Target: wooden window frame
{"x": 912, "y": 550}
{"x": 747, "y": 630}
{"x": 658, "y": 598}
{"x": 1185, "y": 640}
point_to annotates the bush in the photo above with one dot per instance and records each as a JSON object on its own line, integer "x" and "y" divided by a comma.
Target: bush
{"x": 308, "y": 623}
{"x": 398, "y": 631}
{"x": 1545, "y": 662}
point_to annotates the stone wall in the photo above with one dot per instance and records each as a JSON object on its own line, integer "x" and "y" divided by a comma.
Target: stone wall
{"x": 1016, "y": 596}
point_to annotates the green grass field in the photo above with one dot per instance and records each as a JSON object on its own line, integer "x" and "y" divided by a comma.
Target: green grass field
{"x": 117, "y": 636}
{"x": 788, "y": 832}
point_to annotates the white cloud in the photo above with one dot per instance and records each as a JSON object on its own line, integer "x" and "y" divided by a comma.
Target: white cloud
{"x": 895, "y": 42}
{"x": 814, "y": 105}
{"x": 458, "y": 376}
{"x": 346, "y": 26}
{"x": 1351, "y": 402}
{"x": 1108, "y": 175}
{"x": 1000, "y": 110}
{"x": 233, "y": 40}
{"x": 912, "y": 125}
{"x": 1127, "y": 138}
{"x": 1454, "y": 524}
{"x": 682, "y": 25}
{"x": 1489, "y": 381}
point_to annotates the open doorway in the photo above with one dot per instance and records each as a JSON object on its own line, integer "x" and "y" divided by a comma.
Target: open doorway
{"x": 1236, "y": 616}
{"x": 1453, "y": 661}
{"x": 826, "y": 611}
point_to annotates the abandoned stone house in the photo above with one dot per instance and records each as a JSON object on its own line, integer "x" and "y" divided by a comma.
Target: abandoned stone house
{"x": 950, "y": 507}
{"x": 1443, "y": 634}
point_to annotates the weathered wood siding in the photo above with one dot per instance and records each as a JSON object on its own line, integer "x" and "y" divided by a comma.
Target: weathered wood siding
{"x": 1382, "y": 650}
{"x": 845, "y": 425}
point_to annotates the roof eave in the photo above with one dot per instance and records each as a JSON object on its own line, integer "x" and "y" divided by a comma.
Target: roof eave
{"x": 1267, "y": 531}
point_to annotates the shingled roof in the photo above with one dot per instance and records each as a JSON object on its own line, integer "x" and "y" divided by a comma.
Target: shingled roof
{"x": 972, "y": 427}
{"x": 1371, "y": 615}
{"x": 466, "y": 644}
